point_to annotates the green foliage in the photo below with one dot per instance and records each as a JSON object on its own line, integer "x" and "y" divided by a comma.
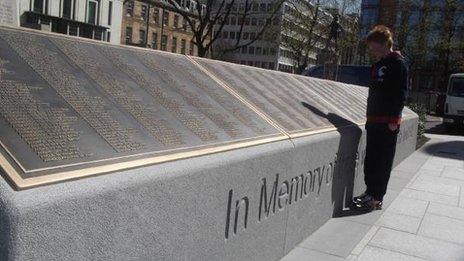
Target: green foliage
{"x": 422, "y": 113}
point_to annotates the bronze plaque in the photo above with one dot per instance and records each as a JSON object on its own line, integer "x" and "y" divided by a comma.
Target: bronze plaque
{"x": 70, "y": 108}
{"x": 296, "y": 103}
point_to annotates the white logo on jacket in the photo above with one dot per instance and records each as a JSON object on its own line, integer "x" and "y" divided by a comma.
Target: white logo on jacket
{"x": 381, "y": 71}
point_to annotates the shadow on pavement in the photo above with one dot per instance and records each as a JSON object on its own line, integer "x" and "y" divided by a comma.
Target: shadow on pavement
{"x": 447, "y": 149}
{"x": 444, "y": 130}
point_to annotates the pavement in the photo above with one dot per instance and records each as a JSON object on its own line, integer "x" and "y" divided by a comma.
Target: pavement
{"x": 422, "y": 218}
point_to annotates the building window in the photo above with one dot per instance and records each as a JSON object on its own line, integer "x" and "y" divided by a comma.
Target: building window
{"x": 41, "y": 6}
{"x": 265, "y": 50}
{"x": 165, "y": 18}
{"x": 141, "y": 36}
{"x": 273, "y": 51}
{"x": 245, "y": 35}
{"x": 164, "y": 42}
{"x": 67, "y": 9}
{"x": 174, "y": 45}
{"x": 176, "y": 21}
{"x": 251, "y": 50}
{"x": 130, "y": 8}
{"x": 184, "y": 24}
{"x": 156, "y": 15}
{"x": 225, "y": 34}
{"x": 192, "y": 46}
{"x": 128, "y": 34}
{"x": 258, "y": 50}
{"x": 92, "y": 12}
{"x": 183, "y": 45}
{"x": 110, "y": 12}
{"x": 154, "y": 41}
{"x": 255, "y": 7}
{"x": 232, "y": 35}
{"x": 143, "y": 12}
{"x": 244, "y": 49}
{"x": 254, "y": 21}
{"x": 233, "y": 20}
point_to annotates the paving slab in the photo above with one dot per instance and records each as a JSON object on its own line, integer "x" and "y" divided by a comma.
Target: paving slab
{"x": 430, "y": 186}
{"x": 379, "y": 254}
{"x": 363, "y": 243}
{"x": 397, "y": 183}
{"x": 336, "y": 237}
{"x": 402, "y": 174}
{"x": 446, "y": 211}
{"x": 453, "y": 172}
{"x": 399, "y": 222}
{"x": 417, "y": 246}
{"x": 304, "y": 254}
{"x": 443, "y": 228}
{"x": 408, "y": 207}
{"x": 429, "y": 196}
{"x": 429, "y": 172}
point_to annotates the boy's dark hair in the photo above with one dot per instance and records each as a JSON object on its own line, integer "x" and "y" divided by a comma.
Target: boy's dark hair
{"x": 380, "y": 34}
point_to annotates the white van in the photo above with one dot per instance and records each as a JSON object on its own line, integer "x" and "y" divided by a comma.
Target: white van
{"x": 454, "y": 105}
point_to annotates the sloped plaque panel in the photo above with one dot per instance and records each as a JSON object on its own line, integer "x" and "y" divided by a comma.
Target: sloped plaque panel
{"x": 296, "y": 103}
{"x": 68, "y": 107}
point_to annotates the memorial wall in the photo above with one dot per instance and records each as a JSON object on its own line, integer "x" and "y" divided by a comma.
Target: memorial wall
{"x": 117, "y": 153}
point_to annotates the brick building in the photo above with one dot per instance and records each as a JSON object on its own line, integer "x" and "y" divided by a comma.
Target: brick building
{"x": 157, "y": 26}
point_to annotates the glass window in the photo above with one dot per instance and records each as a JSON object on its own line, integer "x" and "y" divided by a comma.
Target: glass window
{"x": 251, "y": 50}
{"x": 164, "y": 42}
{"x": 67, "y": 8}
{"x": 130, "y": 8}
{"x": 192, "y": 46}
{"x": 456, "y": 87}
{"x": 165, "y": 18}
{"x": 110, "y": 12}
{"x": 174, "y": 45}
{"x": 128, "y": 34}
{"x": 141, "y": 36}
{"x": 156, "y": 15}
{"x": 176, "y": 21}
{"x": 143, "y": 12}
{"x": 184, "y": 24}
{"x": 40, "y": 6}
{"x": 92, "y": 12}
{"x": 183, "y": 45}
{"x": 154, "y": 41}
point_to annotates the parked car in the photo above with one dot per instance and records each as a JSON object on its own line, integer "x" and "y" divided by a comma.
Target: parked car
{"x": 352, "y": 74}
{"x": 454, "y": 104}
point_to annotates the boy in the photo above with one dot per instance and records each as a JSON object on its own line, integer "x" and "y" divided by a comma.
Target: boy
{"x": 387, "y": 94}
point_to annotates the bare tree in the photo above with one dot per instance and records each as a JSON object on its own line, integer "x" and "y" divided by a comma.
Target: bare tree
{"x": 209, "y": 17}
{"x": 302, "y": 31}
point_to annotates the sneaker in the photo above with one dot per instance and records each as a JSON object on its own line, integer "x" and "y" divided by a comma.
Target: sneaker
{"x": 368, "y": 204}
{"x": 360, "y": 198}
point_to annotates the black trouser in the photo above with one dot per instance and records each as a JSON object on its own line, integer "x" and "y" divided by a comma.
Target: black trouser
{"x": 380, "y": 151}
